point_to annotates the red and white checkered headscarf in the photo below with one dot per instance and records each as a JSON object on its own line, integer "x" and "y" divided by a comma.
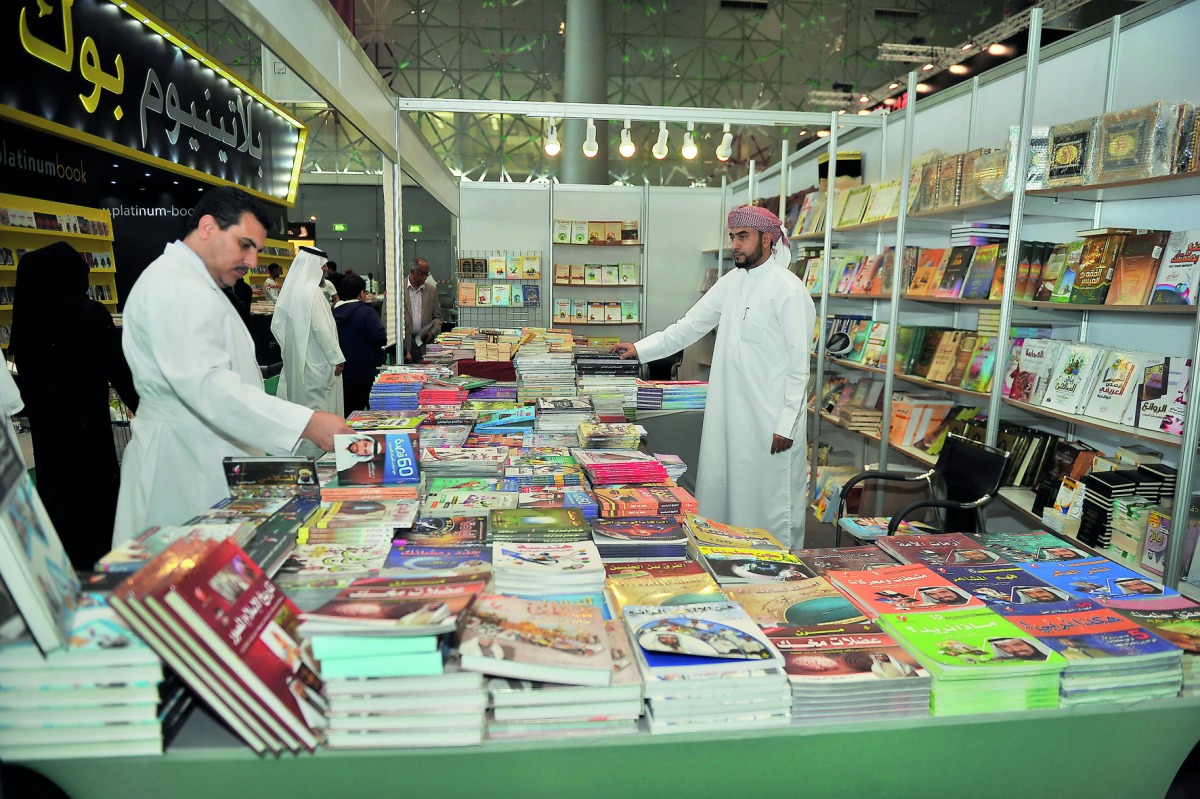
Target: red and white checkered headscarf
{"x": 756, "y": 218}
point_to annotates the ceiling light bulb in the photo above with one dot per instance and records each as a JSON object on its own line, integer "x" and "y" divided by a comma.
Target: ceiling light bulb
{"x": 862, "y": 112}
{"x": 725, "y": 148}
{"x": 590, "y": 147}
{"x": 957, "y": 69}
{"x": 999, "y": 49}
{"x": 689, "y": 150}
{"x": 626, "y": 148}
{"x": 864, "y": 99}
{"x": 928, "y": 66}
{"x": 893, "y": 85}
{"x": 659, "y": 150}
{"x": 552, "y": 147}
{"x": 924, "y": 88}
{"x": 822, "y": 134}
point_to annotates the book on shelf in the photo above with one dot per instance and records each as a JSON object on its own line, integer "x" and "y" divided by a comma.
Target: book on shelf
{"x": 1031, "y": 364}
{"x": 1158, "y": 378}
{"x": 854, "y": 207}
{"x": 533, "y": 296}
{"x": 1137, "y": 143}
{"x": 593, "y": 274}
{"x": 501, "y": 295}
{"x": 982, "y": 367}
{"x": 977, "y": 283}
{"x": 531, "y": 266}
{"x": 562, "y": 231}
{"x": 466, "y": 295}
{"x": 970, "y": 190}
{"x": 875, "y": 350}
{"x": 483, "y": 295}
{"x": 595, "y": 232}
{"x": 927, "y": 268}
{"x": 609, "y": 275}
{"x": 577, "y": 274}
{"x": 929, "y": 348}
{"x": 955, "y": 272}
{"x": 612, "y": 311}
{"x": 997, "y": 290}
{"x": 629, "y": 311}
{"x": 885, "y": 202}
{"x": 1073, "y": 376}
{"x": 497, "y": 266}
{"x": 516, "y": 296}
{"x": 627, "y": 274}
{"x": 945, "y": 356}
{"x": 513, "y": 265}
{"x": 1097, "y": 266}
{"x": 964, "y": 350}
{"x": 1179, "y": 270}
{"x": 1116, "y": 387}
{"x": 949, "y": 186}
{"x": 1053, "y": 268}
{"x": 1072, "y": 153}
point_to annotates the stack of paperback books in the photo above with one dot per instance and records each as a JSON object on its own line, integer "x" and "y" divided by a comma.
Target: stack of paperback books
{"x": 397, "y": 391}
{"x": 597, "y": 435}
{"x": 671, "y": 395}
{"x": 645, "y": 501}
{"x": 545, "y": 374}
{"x": 706, "y": 532}
{"x": 621, "y": 539}
{"x": 725, "y": 672}
{"x": 559, "y": 497}
{"x": 739, "y": 565}
{"x": 614, "y": 400}
{"x": 675, "y": 466}
{"x": 526, "y": 709}
{"x": 538, "y": 525}
{"x": 446, "y": 709}
{"x": 98, "y": 697}
{"x": 619, "y": 467}
{"x": 464, "y": 462}
{"x": 562, "y": 414}
{"x": 547, "y": 568}
{"x": 856, "y": 671}
{"x": 1180, "y": 626}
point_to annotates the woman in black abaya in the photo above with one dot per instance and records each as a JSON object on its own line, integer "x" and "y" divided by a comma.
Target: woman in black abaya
{"x": 67, "y": 351}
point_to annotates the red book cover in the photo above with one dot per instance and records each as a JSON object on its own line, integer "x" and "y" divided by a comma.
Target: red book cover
{"x": 901, "y": 589}
{"x": 243, "y": 618}
{"x": 661, "y": 568}
{"x": 942, "y": 549}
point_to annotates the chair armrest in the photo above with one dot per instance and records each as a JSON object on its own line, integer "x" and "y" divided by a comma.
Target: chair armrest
{"x": 903, "y": 477}
{"x": 896, "y": 519}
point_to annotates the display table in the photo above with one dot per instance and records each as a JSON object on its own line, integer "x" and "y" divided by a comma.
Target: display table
{"x": 501, "y": 371}
{"x": 1110, "y": 751}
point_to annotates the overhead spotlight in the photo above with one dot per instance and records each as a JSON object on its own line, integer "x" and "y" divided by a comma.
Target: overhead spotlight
{"x": 924, "y": 88}
{"x": 893, "y": 85}
{"x": 862, "y": 112}
{"x": 725, "y": 148}
{"x": 551, "y": 146}
{"x": 969, "y": 44}
{"x": 889, "y": 100}
{"x": 841, "y": 112}
{"x": 590, "y": 147}
{"x": 957, "y": 69}
{"x": 864, "y": 99}
{"x": 822, "y": 134}
{"x": 928, "y": 66}
{"x": 804, "y": 133}
{"x": 999, "y": 49}
{"x": 689, "y": 148}
{"x": 626, "y": 148}
{"x": 659, "y": 150}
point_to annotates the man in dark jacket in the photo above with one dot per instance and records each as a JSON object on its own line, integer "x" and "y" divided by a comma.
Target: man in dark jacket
{"x": 362, "y": 336}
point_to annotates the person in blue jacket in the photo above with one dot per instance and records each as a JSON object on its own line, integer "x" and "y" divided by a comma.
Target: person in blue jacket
{"x": 362, "y": 336}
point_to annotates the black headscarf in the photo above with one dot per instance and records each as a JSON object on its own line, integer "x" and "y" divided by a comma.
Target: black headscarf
{"x": 50, "y": 300}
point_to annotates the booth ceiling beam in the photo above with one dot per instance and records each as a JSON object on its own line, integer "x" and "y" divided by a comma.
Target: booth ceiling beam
{"x": 314, "y": 42}
{"x": 637, "y": 113}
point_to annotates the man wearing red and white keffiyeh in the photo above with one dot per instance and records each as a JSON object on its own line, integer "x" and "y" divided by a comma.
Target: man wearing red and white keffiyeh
{"x": 752, "y": 470}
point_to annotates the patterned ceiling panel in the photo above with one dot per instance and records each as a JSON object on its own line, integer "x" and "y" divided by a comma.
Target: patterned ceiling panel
{"x": 659, "y": 52}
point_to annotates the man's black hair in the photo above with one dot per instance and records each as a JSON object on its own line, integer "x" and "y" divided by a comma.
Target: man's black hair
{"x": 227, "y": 204}
{"x": 352, "y": 286}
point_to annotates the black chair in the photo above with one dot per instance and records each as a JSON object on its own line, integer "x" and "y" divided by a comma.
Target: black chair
{"x": 664, "y": 368}
{"x": 965, "y": 479}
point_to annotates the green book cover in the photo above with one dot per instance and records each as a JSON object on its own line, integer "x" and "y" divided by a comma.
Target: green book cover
{"x": 982, "y": 366}
{"x": 1097, "y": 263}
{"x": 978, "y": 282}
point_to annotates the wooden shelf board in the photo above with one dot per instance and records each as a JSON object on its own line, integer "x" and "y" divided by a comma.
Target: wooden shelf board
{"x": 1066, "y": 306}
{"x": 62, "y": 234}
{"x": 599, "y": 244}
{"x": 597, "y": 285}
{"x": 1180, "y": 185}
{"x": 601, "y": 324}
{"x": 1096, "y": 424}
{"x": 948, "y": 300}
{"x": 920, "y": 381}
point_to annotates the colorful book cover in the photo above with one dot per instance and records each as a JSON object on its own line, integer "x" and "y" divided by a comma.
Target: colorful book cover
{"x": 33, "y": 563}
{"x": 1030, "y": 547}
{"x": 842, "y": 653}
{"x": 732, "y": 565}
{"x": 1180, "y": 626}
{"x": 650, "y": 531}
{"x": 396, "y": 607}
{"x": 533, "y": 296}
{"x": 1003, "y": 585}
{"x": 708, "y": 532}
{"x": 1136, "y": 269}
{"x": 369, "y": 458}
{"x": 808, "y": 602}
{"x": 1029, "y": 377}
{"x": 977, "y": 284}
{"x": 1072, "y": 378}
{"x": 468, "y": 503}
{"x": 927, "y": 268}
{"x": 963, "y": 354}
{"x": 1179, "y": 270}
{"x": 622, "y": 570}
{"x": 421, "y": 561}
{"x": 1116, "y": 387}
{"x": 627, "y": 274}
{"x": 531, "y": 639}
{"x": 540, "y": 564}
{"x": 1085, "y": 630}
{"x": 914, "y": 588}
{"x": 942, "y": 549}
{"x": 386, "y": 420}
{"x": 1106, "y": 582}
{"x": 706, "y": 637}
{"x": 447, "y": 531}
{"x": 825, "y": 560}
{"x": 960, "y": 644}
{"x": 395, "y": 514}
{"x": 955, "y": 272}
{"x": 675, "y": 588}
{"x": 982, "y": 367}
{"x": 531, "y": 266}
{"x": 1097, "y": 264}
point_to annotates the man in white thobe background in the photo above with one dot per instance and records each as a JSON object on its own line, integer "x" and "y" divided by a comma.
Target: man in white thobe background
{"x": 752, "y": 470}
{"x": 303, "y": 325}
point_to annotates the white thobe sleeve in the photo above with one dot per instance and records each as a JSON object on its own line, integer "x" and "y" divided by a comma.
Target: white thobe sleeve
{"x": 796, "y": 319}
{"x": 191, "y": 358}
{"x": 700, "y": 319}
{"x": 324, "y": 331}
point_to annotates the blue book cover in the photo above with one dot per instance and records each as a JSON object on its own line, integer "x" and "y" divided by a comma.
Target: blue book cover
{"x": 1106, "y": 582}
{"x": 1080, "y": 629}
{"x": 1005, "y": 586}
{"x": 376, "y": 458}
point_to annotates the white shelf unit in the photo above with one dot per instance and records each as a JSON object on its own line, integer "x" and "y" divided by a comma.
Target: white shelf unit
{"x": 1136, "y": 58}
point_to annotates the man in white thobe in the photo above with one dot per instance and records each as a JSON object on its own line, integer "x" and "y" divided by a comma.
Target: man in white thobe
{"x": 752, "y": 470}
{"x": 303, "y": 325}
{"x": 193, "y": 365}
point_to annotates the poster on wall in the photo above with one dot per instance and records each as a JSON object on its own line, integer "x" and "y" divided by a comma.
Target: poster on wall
{"x": 116, "y": 79}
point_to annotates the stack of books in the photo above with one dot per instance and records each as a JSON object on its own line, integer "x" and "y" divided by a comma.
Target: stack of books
{"x": 538, "y": 526}
{"x": 453, "y": 503}
{"x": 578, "y": 498}
{"x": 706, "y": 532}
{"x": 562, "y": 414}
{"x": 435, "y": 393}
{"x": 619, "y": 466}
{"x": 443, "y": 435}
{"x": 723, "y": 671}
{"x": 977, "y": 234}
{"x": 669, "y": 395}
{"x": 738, "y": 565}
{"x": 980, "y": 661}
{"x": 1100, "y": 490}
{"x": 1130, "y": 521}
{"x": 98, "y": 697}
{"x": 571, "y": 567}
{"x": 674, "y": 465}
{"x": 842, "y": 672}
{"x": 589, "y": 361}
{"x": 597, "y": 435}
{"x": 633, "y": 539}
{"x": 397, "y": 391}
{"x": 644, "y": 501}
{"x": 1181, "y": 626}
{"x": 546, "y": 374}
{"x": 463, "y": 461}
{"x": 446, "y": 709}
{"x": 526, "y": 709}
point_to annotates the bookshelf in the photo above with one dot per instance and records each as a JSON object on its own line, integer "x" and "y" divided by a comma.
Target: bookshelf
{"x": 27, "y": 223}
{"x": 1044, "y": 88}
{"x": 499, "y": 288}
{"x": 598, "y": 283}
